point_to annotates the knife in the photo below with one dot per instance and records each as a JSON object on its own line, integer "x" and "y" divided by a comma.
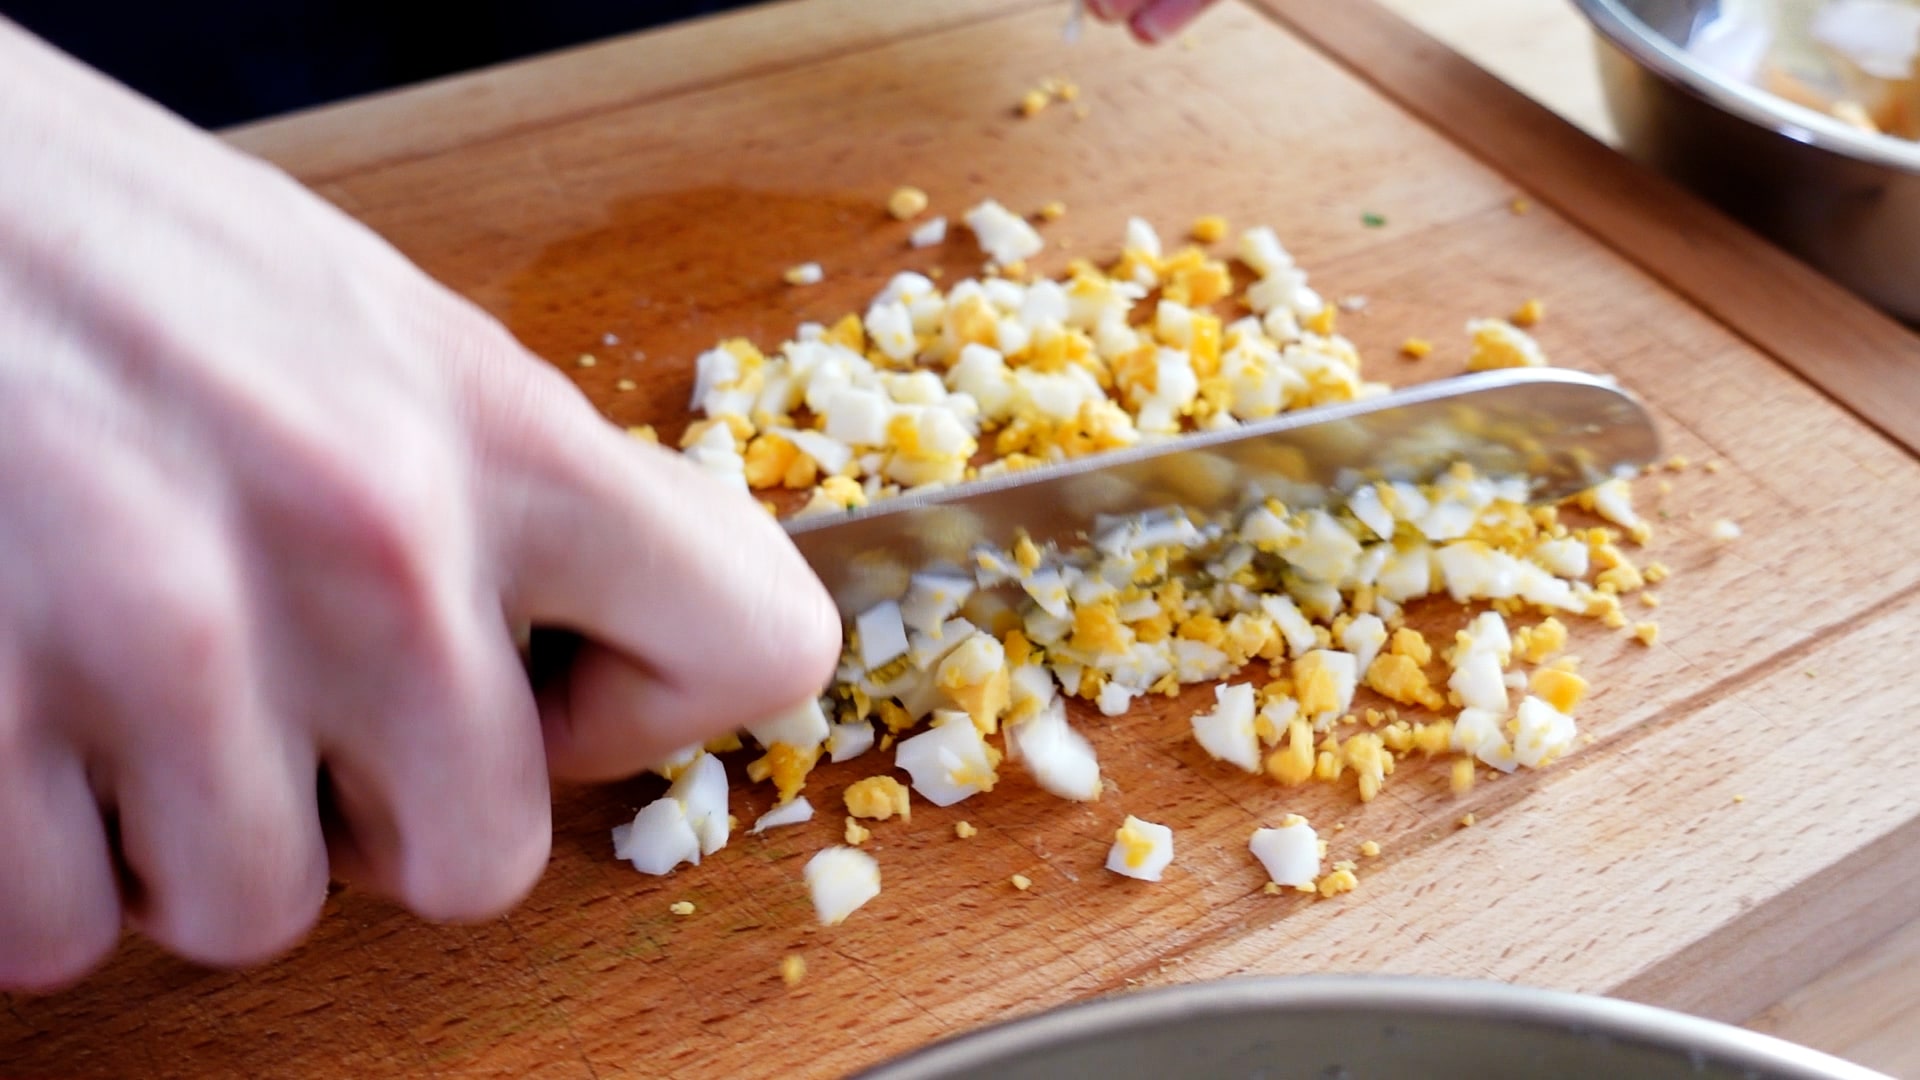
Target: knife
{"x": 1563, "y": 430}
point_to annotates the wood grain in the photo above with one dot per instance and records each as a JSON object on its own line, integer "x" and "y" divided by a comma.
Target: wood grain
{"x": 666, "y": 222}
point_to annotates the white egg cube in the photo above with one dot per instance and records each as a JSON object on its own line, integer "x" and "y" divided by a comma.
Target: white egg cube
{"x": 1290, "y": 853}
{"x": 801, "y": 727}
{"x": 1141, "y": 237}
{"x": 840, "y": 880}
{"x": 858, "y": 417}
{"x": 1004, "y": 236}
{"x": 797, "y": 811}
{"x": 1058, "y": 758}
{"x": 1477, "y": 679}
{"x": 702, "y": 790}
{"x": 848, "y": 741}
{"x": 1226, "y": 732}
{"x": 883, "y": 634}
{"x": 928, "y": 233}
{"x": 1364, "y": 637}
{"x": 658, "y": 839}
{"x": 1141, "y": 849}
{"x": 1543, "y": 733}
{"x": 947, "y": 762}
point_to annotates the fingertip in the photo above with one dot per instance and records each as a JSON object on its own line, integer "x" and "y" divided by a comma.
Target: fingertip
{"x": 48, "y": 963}
{"x": 463, "y": 889}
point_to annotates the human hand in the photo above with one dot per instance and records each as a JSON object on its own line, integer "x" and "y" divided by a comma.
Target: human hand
{"x": 272, "y": 501}
{"x": 1152, "y": 21}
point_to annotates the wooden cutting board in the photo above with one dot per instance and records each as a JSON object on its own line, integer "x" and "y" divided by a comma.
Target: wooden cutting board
{"x": 653, "y": 189}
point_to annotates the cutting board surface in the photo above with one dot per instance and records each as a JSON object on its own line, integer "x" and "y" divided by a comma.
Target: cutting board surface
{"x": 665, "y": 220}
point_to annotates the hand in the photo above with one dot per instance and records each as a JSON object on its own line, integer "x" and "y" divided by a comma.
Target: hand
{"x": 1152, "y": 21}
{"x": 271, "y": 501}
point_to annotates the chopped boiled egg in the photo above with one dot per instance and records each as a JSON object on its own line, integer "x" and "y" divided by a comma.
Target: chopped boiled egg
{"x": 1141, "y": 849}
{"x": 1227, "y": 732}
{"x": 795, "y": 812}
{"x": 840, "y": 880}
{"x": 1290, "y": 852}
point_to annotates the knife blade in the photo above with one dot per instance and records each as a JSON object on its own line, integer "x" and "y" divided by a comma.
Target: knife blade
{"x": 1563, "y": 430}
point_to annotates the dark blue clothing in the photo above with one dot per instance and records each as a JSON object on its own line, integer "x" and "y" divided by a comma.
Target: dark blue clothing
{"x": 220, "y": 62}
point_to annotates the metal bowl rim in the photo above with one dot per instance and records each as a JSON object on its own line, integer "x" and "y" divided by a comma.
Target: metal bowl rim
{"x": 1778, "y": 115}
{"x": 1400, "y": 995}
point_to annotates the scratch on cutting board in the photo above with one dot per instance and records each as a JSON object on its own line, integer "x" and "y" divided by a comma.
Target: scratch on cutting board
{"x": 899, "y": 994}
{"x": 540, "y": 977}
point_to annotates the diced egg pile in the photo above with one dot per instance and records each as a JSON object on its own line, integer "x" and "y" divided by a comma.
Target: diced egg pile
{"x": 1298, "y": 613}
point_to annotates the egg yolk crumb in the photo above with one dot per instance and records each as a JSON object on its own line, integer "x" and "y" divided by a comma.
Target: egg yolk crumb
{"x": 1021, "y": 882}
{"x": 878, "y": 798}
{"x": 793, "y": 968}
{"x": 681, "y": 907}
{"x": 964, "y": 831}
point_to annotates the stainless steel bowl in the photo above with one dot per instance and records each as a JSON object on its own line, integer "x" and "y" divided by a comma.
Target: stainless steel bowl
{"x": 1846, "y": 201}
{"x": 1370, "y": 1027}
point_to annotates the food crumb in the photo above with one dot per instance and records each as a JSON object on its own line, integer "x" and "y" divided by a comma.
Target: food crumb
{"x": 609, "y": 338}
{"x": 1053, "y": 211}
{"x": 626, "y": 384}
{"x": 1739, "y": 798}
{"x": 644, "y": 432}
{"x": 906, "y": 202}
{"x": 1467, "y": 820}
{"x": 681, "y": 907}
{"x": 1370, "y": 849}
{"x": 1033, "y": 101}
{"x": 1520, "y": 206}
{"x": 1646, "y": 633}
{"x": 857, "y": 833}
{"x": 804, "y": 274}
{"x": 1209, "y": 229}
{"x": 1655, "y": 573}
{"x": 793, "y": 968}
{"x": 964, "y": 830}
{"x": 1530, "y": 313}
{"x": 1372, "y": 220}
{"x": 1648, "y": 599}
{"x": 879, "y": 798}
{"x": 586, "y": 360}
{"x": 1416, "y": 348}
{"x": 1021, "y": 882}
{"x": 1272, "y": 888}
{"x": 1462, "y": 779}
{"x": 1714, "y": 465}
{"x": 1678, "y": 463}
{"x": 1341, "y": 880}
{"x": 1725, "y": 529}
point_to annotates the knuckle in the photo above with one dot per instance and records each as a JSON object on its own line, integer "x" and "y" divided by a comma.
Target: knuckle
{"x": 471, "y": 880}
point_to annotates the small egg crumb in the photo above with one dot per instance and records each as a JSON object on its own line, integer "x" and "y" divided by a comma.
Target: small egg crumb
{"x": 626, "y": 385}
{"x": 586, "y": 360}
{"x": 1714, "y": 465}
{"x": 1520, "y": 207}
{"x": 1530, "y": 313}
{"x": 1461, "y": 780}
{"x": 1341, "y": 880}
{"x": 857, "y": 833}
{"x": 1209, "y": 229}
{"x": 1648, "y": 599}
{"x": 1369, "y": 849}
{"x": 1021, "y": 882}
{"x": 1646, "y": 632}
{"x": 1416, "y": 348}
{"x": 964, "y": 830}
{"x": 681, "y": 907}
{"x": 1739, "y": 798}
{"x": 1033, "y": 101}
{"x": 906, "y": 203}
{"x": 793, "y": 968}
{"x": 1272, "y": 888}
{"x": 804, "y": 274}
{"x": 644, "y": 432}
{"x": 1053, "y": 211}
{"x": 1655, "y": 573}
{"x": 1467, "y": 820}
{"x": 1678, "y": 463}
{"x": 1725, "y": 530}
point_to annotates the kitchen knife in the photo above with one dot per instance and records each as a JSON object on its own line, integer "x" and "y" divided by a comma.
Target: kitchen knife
{"x": 1564, "y": 430}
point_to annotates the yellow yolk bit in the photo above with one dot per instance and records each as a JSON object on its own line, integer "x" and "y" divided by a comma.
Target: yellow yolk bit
{"x": 792, "y": 969}
{"x": 1135, "y": 844}
{"x": 878, "y": 798}
{"x": 1416, "y": 348}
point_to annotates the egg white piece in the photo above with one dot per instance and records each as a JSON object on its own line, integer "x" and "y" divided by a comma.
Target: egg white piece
{"x": 1004, "y": 236}
{"x": 1290, "y": 853}
{"x": 1141, "y": 850}
{"x": 948, "y": 762}
{"x": 1543, "y": 733}
{"x": 702, "y": 790}
{"x": 1226, "y": 732}
{"x": 1478, "y": 680}
{"x": 1059, "y": 759}
{"x": 787, "y": 813}
{"x": 929, "y": 233}
{"x": 848, "y": 741}
{"x": 658, "y": 839}
{"x": 801, "y": 727}
{"x": 840, "y": 880}
{"x": 1364, "y": 637}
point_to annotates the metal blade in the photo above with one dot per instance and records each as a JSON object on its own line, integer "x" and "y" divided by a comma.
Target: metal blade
{"x": 1564, "y": 430}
